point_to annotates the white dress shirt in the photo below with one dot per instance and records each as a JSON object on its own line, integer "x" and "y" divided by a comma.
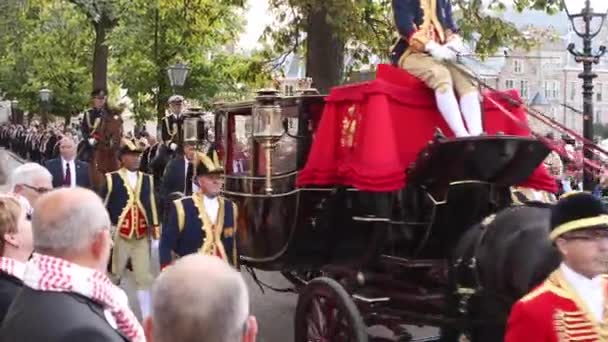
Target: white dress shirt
{"x": 132, "y": 177}
{"x": 72, "y": 170}
{"x": 591, "y": 291}
{"x": 212, "y": 207}
{"x": 195, "y": 187}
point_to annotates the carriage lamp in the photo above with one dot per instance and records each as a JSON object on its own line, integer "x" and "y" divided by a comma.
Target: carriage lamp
{"x": 194, "y": 130}
{"x": 587, "y": 17}
{"x": 267, "y": 126}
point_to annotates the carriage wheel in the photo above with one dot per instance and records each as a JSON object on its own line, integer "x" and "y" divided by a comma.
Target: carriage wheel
{"x": 326, "y": 313}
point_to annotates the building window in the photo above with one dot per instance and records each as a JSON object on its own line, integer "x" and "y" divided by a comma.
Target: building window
{"x": 552, "y": 90}
{"x": 598, "y": 92}
{"x": 523, "y": 89}
{"x": 572, "y": 90}
{"x": 518, "y": 66}
{"x": 509, "y": 84}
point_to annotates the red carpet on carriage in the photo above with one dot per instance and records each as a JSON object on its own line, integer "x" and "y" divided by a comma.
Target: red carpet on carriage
{"x": 371, "y": 132}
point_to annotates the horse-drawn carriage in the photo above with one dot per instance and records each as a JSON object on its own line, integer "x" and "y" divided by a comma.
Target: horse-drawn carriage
{"x": 372, "y": 214}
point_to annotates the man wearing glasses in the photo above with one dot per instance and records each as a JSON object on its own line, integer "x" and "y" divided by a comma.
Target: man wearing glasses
{"x": 571, "y": 304}
{"x": 29, "y": 181}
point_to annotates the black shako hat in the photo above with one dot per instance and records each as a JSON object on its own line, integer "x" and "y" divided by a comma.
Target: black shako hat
{"x": 576, "y": 211}
{"x": 99, "y": 93}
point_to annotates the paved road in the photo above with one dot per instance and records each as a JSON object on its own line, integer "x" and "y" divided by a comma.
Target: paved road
{"x": 274, "y": 311}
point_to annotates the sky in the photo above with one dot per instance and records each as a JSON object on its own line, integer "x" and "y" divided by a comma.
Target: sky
{"x": 258, "y": 18}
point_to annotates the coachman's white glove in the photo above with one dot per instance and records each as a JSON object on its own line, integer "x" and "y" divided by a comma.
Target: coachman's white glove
{"x": 92, "y": 141}
{"x": 457, "y": 44}
{"x": 154, "y": 243}
{"x": 173, "y": 146}
{"x": 440, "y": 52}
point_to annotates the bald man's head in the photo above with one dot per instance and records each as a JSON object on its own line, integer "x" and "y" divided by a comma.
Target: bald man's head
{"x": 68, "y": 222}
{"x": 201, "y": 299}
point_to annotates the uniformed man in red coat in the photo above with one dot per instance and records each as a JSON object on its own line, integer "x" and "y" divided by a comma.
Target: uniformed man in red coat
{"x": 570, "y": 305}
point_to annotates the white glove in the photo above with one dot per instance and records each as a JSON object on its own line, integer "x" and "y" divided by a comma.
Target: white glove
{"x": 173, "y": 146}
{"x": 92, "y": 141}
{"x": 457, "y": 44}
{"x": 155, "y": 244}
{"x": 440, "y": 52}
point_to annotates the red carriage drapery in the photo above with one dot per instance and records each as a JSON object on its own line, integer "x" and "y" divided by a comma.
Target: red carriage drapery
{"x": 371, "y": 132}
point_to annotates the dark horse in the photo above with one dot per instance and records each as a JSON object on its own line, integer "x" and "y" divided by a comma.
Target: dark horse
{"x": 103, "y": 157}
{"x": 495, "y": 263}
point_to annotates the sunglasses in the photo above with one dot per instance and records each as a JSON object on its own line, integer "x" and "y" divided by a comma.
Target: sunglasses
{"x": 40, "y": 190}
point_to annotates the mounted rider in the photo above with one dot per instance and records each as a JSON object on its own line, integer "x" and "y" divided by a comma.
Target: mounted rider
{"x": 93, "y": 116}
{"x": 427, "y": 47}
{"x": 171, "y": 127}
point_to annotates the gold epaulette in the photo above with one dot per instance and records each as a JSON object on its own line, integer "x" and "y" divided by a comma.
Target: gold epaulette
{"x": 535, "y": 293}
{"x": 181, "y": 213}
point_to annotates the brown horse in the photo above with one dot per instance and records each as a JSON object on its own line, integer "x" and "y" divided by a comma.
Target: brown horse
{"x": 105, "y": 152}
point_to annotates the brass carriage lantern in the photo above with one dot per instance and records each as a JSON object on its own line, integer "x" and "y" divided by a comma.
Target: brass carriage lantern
{"x": 267, "y": 126}
{"x": 194, "y": 131}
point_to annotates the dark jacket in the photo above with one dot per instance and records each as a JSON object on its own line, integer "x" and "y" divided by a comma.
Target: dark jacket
{"x": 9, "y": 286}
{"x": 37, "y": 316}
{"x": 409, "y": 15}
{"x": 174, "y": 179}
{"x": 83, "y": 179}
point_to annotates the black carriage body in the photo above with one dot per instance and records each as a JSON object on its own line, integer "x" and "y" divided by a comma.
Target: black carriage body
{"x": 313, "y": 228}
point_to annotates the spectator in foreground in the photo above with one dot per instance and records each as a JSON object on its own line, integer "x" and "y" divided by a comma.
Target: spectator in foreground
{"x": 67, "y": 296}
{"x": 29, "y": 181}
{"x": 68, "y": 171}
{"x": 15, "y": 249}
{"x": 186, "y": 309}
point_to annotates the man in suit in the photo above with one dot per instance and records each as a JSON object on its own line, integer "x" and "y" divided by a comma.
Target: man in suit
{"x": 129, "y": 198}
{"x": 67, "y": 296}
{"x": 67, "y": 170}
{"x": 572, "y": 304}
{"x": 178, "y": 175}
{"x": 428, "y": 39}
{"x": 204, "y": 222}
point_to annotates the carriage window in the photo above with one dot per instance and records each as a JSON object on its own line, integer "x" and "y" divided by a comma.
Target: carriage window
{"x": 240, "y": 149}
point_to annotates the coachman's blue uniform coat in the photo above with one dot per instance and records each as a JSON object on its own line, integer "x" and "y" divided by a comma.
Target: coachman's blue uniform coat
{"x": 188, "y": 230}
{"x": 119, "y": 197}
{"x": 410, "y": 15}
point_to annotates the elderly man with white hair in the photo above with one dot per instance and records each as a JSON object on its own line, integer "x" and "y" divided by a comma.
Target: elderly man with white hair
{"x": 67, "y": 171}
{"x": 67, "y": 296}
{"x": 200, "y": 299}
{"x": 28, "y": 182}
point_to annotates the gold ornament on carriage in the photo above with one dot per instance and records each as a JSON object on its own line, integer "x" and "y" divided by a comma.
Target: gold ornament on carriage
{"x": 349, "y": 127}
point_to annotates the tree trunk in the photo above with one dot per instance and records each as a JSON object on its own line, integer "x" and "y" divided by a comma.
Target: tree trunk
{"x": 325, "y": 52}
{"x": 100, "y": 58}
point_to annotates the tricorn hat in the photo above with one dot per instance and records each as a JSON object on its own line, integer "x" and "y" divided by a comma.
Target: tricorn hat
{"x": 129, "y": 146}
{"x": 577, "y": 211}
{"x": 207, "y": 163}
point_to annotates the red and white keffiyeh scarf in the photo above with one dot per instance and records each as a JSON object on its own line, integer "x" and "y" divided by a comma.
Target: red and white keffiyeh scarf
{"x": 12, "y": 267}
{"x": 47, "y": 273}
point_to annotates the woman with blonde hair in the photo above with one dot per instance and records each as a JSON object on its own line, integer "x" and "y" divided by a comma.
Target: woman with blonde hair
{"x": 16, "y": 246}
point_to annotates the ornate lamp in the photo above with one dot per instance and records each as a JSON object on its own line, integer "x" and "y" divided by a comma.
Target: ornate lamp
{"x": 45, "y": 96}
{"x": 267, "y": 126}
{"x": 177, "y": 75}
{"x": 587, "y": 17}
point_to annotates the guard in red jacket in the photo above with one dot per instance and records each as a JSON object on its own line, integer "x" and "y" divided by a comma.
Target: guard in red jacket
{"x": 571, "y": 304}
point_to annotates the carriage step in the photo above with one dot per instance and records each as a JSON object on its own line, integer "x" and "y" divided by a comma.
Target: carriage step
{"x": 369, "y": 300}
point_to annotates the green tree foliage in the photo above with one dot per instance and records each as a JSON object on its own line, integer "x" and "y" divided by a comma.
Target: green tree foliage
{"x": 365, "y": 27}
{"x": 44, "y": 44}
{"x": 153, "y": 35}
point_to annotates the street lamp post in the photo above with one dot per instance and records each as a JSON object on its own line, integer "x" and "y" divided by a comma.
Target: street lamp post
{"x": 14, "y": 114}
{"x": 177, "y": 75}
{"x": 587, "y": 19}
{"x": 45, "y": 98}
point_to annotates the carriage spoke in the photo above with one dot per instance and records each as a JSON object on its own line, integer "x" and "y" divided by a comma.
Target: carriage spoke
{"x": 316, "y": 322}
